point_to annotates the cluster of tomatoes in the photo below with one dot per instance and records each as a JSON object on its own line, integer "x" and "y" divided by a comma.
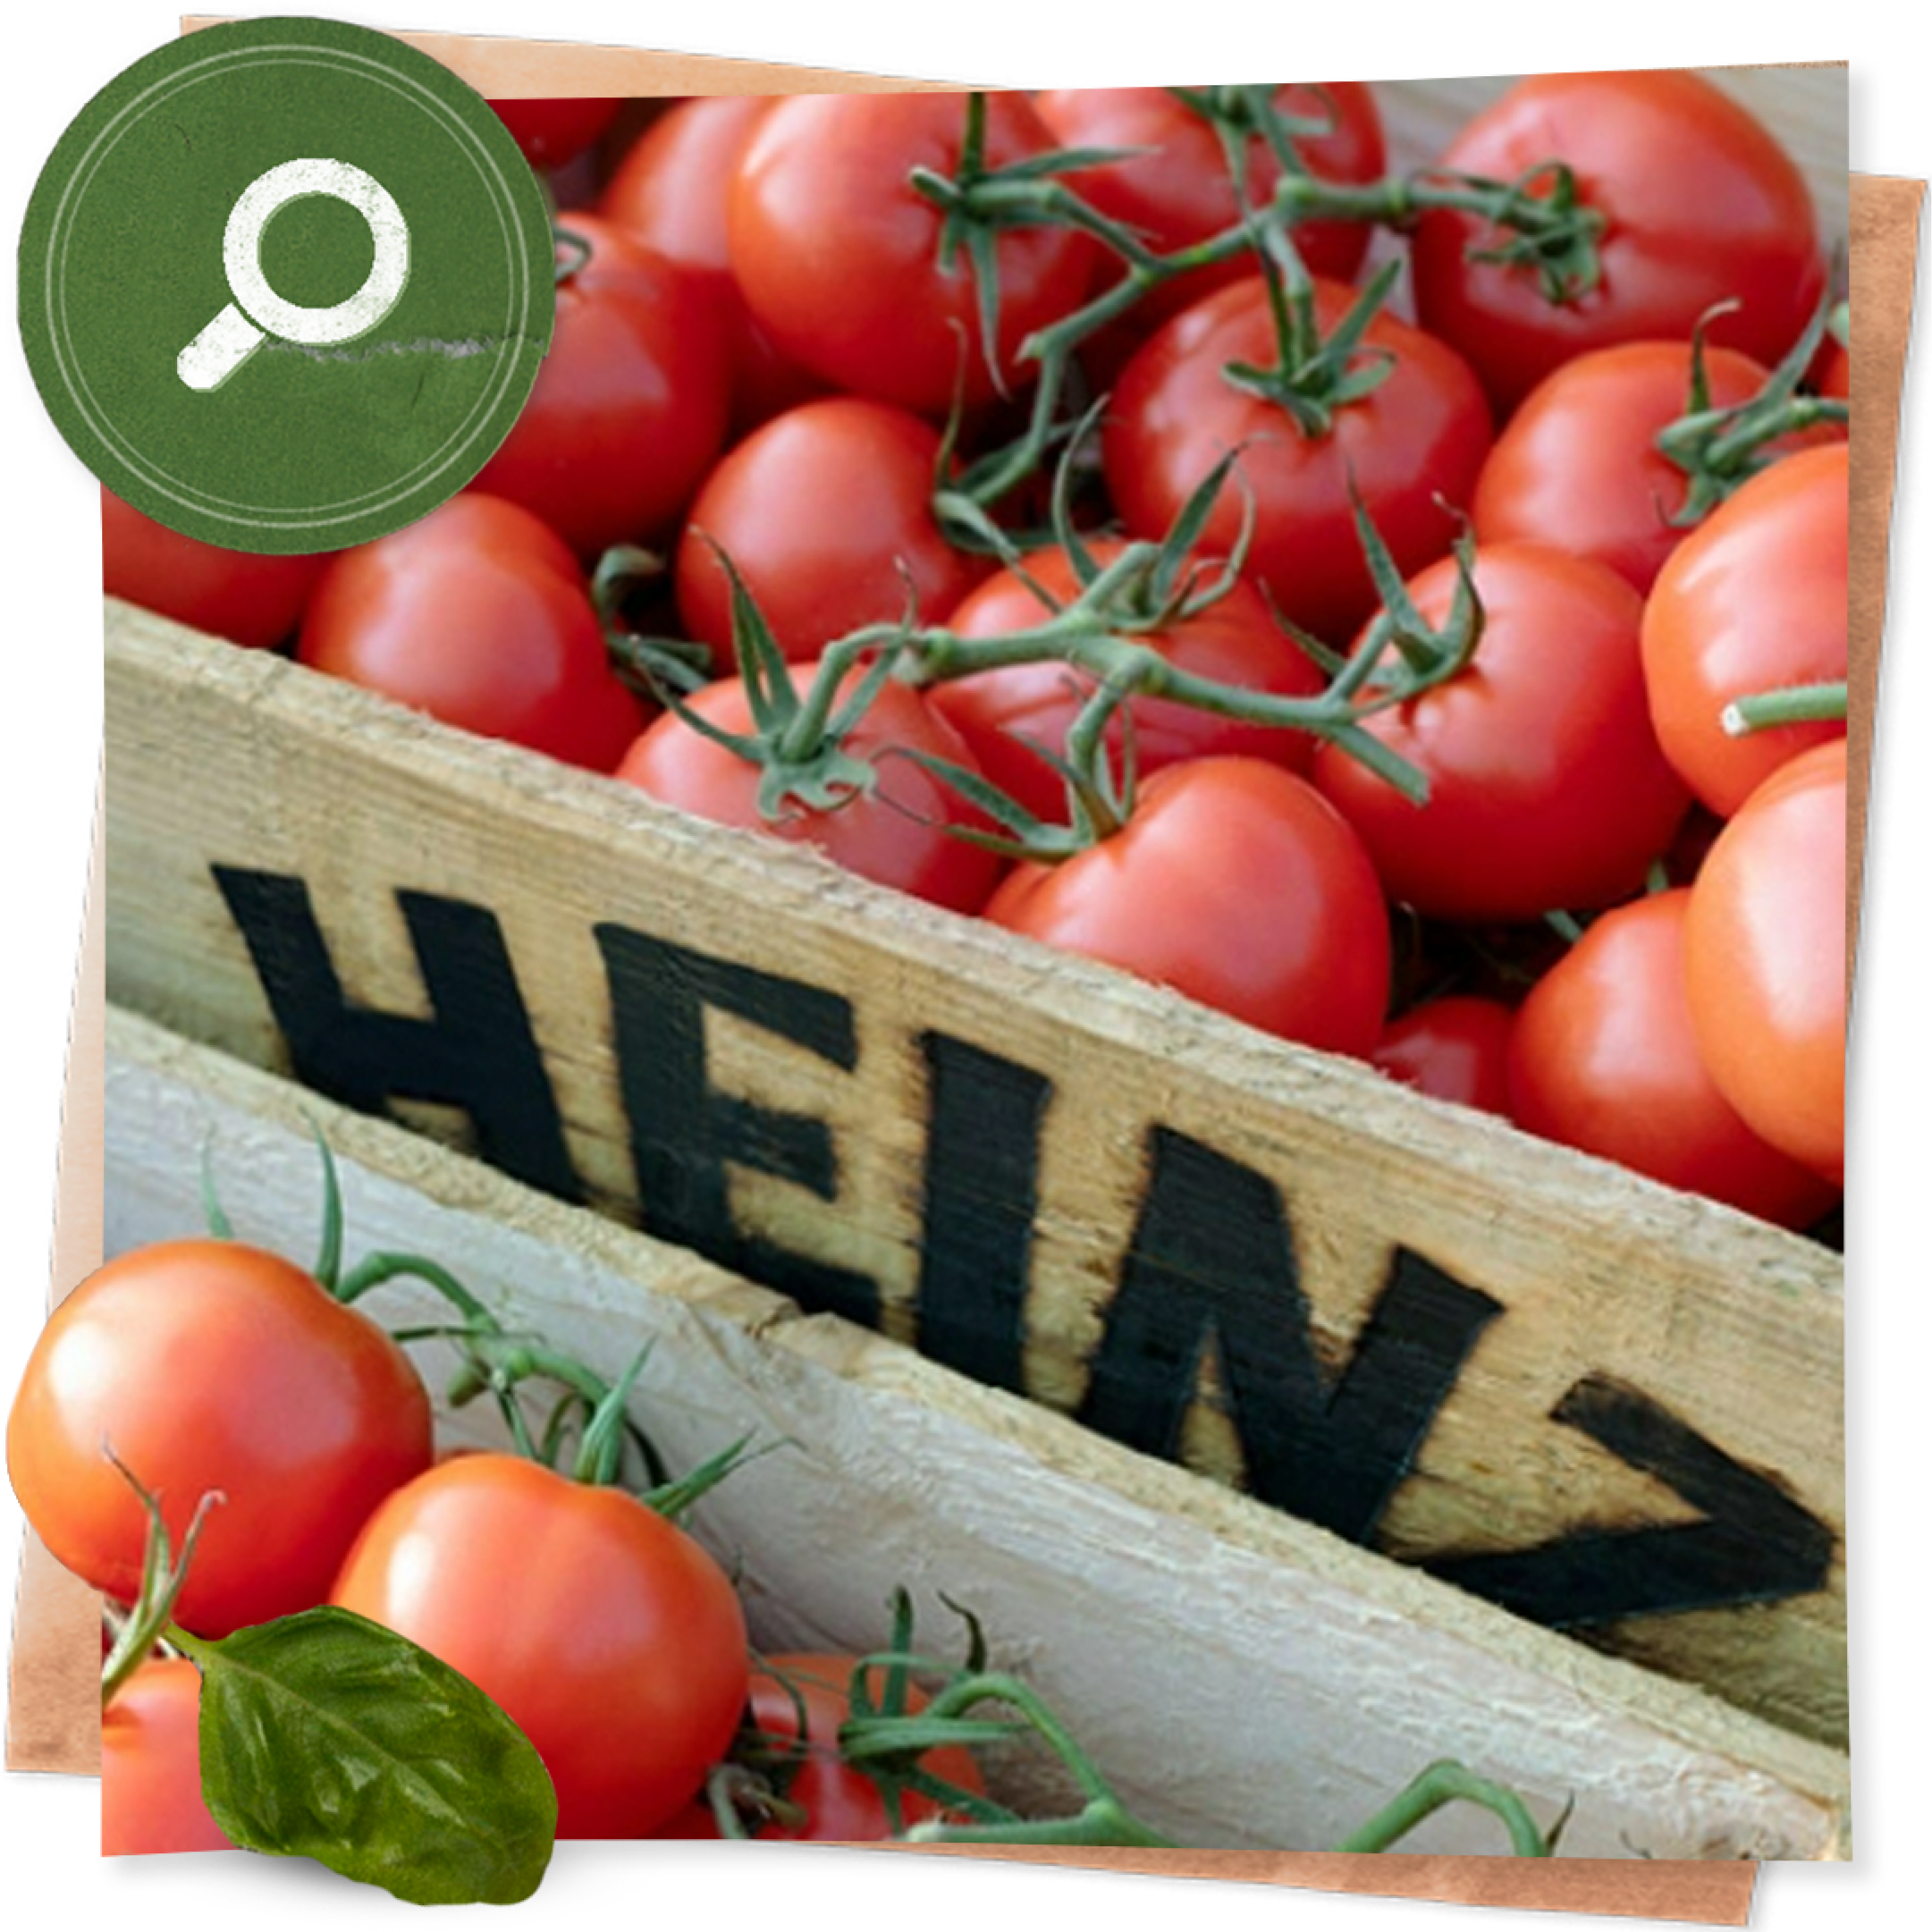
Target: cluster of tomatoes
{"x": 790, "y": 333}
{"x": 215, "y": 1370}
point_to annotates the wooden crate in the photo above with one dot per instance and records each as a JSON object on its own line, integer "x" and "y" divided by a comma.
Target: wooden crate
{"x": 1609, "y": 1407}
{"x": 1249, "y": 1680}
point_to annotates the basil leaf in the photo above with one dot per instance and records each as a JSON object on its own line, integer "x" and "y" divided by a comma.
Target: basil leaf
{"x": 325, "y": 1735}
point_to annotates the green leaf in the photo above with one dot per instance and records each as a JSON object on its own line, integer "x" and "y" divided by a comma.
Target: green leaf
{"x": 326, "y": 1736}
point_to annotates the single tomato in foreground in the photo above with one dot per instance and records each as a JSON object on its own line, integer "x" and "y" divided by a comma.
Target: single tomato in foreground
{"x": 1702, "y": 205}
{"x": 612, "y": 1639}
{"x": 896, "y": 835}
{"x": 210, "y": 1365}
{"x": 841, "y": 1804}
{"x": 1604, "y": 1058}
{"x": 631, "y": 403}
{"x": 1756, "y": 600}
{"x": 1410, "y": 447}
{"x": 1236, "y": 883}
{"x": 1766, "y": 959}
{"x": 826, "y": 514}
{"x": 1547, "y": 789}
{"x": 1003, "y": 714}
{"x": 151, "y": 1765}
{"x": 479, "y": 615}
{"x": 1577, "y": 466}
{"x": 233, "y": 593}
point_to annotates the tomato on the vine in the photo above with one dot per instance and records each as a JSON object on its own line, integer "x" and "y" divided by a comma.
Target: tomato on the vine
{"x": 1604, "y": 1058}
{"x": 212, "y": 1366}
{"x": 630, "y": 406}
{"x": 838, "y": 254}
{"x": 1547, "y": 789}
{"x": 841, "y": 1803}
{"x": 479, "y": 615}
{"x": 1765, "y": 961}
{"x": 612, "y": 1639}
{"x": 1236, "y": 883}
{"x": 826, "y": 514}
{"x": 895, "y": 835}
{"x": 233, "y": 593}
{"x": 1411, "y": 445}
{"x": 1702, "y": 206}
{"x": 1578, "y": 466}
{"x": 1755, "y": 600}
{"x": 151, "y": 1765}
{"x": 1003, "y": 714}
{"x": 1176, "y": 191}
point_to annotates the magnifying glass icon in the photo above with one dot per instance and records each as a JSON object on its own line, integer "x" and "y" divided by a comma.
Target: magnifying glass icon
{"x": 256, "y": 311}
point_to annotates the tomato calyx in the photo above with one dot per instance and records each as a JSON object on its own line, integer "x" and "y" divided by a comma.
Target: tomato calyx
{"x": 151, "y": 1617}
{"x": 1720, "y": 449}
{"x": 1542, "y": 225}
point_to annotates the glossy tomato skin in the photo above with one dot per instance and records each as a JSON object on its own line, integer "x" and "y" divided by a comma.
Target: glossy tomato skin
{"x": 1236, "y": 883}
{"x": 826, "y": 514}
{"x": 837, "y": 255}
{"x": 1604, "y": 1058}
{"x": 1234, "y": 641}
{"x": 1578, "y": 466}
{"x": 1703, "y": 206}
{"x": 895, "y": 836}
{"x": 151, "y": 1765}
{"x": 1547, "y": 789}
{"x": 1834, "y": 372}
{"x": 209, "y": 1366}
{"x": 842, "y": 1805}
{"x": 233, "y": 593}
{"x": 1422, "y": 435}
{"x": 1765, "y": 962}
{"x": 479, "y": 615}
{"x": 613, "y": 1640}
{"x": 1178, "y": 193}
{"x": 1454, "y": 1049}
{"x": 630, "y": 406}
{"x": 1755, "y": 600}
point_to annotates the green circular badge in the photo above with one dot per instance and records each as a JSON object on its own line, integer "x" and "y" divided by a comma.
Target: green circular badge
{"x": 285, "y": 284}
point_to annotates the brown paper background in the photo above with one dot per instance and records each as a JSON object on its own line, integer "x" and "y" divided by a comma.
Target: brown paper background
{"x": 53, "y": 1700}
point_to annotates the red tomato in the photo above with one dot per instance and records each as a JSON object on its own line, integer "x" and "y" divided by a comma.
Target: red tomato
{"x": 1604, "y": 1058}
{"x": 1453, "y": 1049}
{"x": 1236, "y": 883}
{"x": 826, "y": 514}
{"x": 209, "y": 1366}
{"x": 1766, "y": 960}
{"x": 1703, "y": 206}
{"x": 1578, "y": 465}
{"x": 1421, "y": 436}
{"x": 673, "y": 190}
{"x": 479, "y": 615}
{"x": 1235, "y": 641}
{"x": 1834, "y": 371}
{"x": 232, "y": 594}
{"x": 630, "y": 405}
{"x": 551, "y": 132}
{"x": 613, "y": 1640}
{"x": 151, "y": 1765}
{"x": 1178, "y": 193}
{"x": 897, "y": 836}
{"x": 838, "y": 254}
{"x": 842, "y": 1805}
{"x": 1546, "y": 786}
{"x": 1755, "y": 600}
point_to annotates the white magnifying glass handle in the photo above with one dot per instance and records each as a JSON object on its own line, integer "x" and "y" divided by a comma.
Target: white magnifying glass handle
{"x": 219, "y": 351}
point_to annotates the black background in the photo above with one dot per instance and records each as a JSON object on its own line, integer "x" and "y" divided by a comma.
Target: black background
{"x": 54, "y": 678}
